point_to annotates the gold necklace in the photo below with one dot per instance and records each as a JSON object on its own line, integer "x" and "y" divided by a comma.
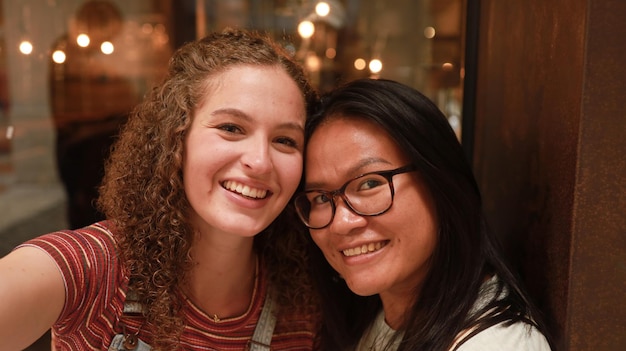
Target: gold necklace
{"x": 214, "y": 316}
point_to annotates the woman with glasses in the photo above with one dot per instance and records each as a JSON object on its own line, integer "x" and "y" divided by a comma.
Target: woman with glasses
{"x": 404, "y": 261}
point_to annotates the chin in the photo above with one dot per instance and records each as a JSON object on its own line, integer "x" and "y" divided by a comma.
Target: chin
{"x": 247, "y": 232}
{"x": 243, "y": 226}
{"x": 239, "y": 229}
{"x": 361, "y": 290}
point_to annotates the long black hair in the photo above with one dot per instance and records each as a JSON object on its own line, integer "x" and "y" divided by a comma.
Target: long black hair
{"x": 466, "y": 252}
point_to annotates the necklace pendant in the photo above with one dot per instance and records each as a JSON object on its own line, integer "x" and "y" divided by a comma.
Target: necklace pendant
{"x": 216, "y": 319}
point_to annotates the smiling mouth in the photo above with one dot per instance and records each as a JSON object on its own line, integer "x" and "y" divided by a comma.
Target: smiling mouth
{"x": 245, "y": 190}
{"x": 364, "y": 249}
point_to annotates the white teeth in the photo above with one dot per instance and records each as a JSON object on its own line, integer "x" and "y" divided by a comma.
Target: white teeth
{"x": 245, "y": 190}
{"x": 365, "y": 248}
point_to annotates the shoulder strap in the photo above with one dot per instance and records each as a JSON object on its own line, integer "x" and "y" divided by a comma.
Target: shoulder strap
{"x": 132, "y": 304}
{"x": 127, "y": 341}
{"x": 264, "y": 330}
{"x": 262, "y": 337}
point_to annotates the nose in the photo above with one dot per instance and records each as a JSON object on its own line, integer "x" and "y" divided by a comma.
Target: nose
{"x": 256, "y": 157}
{"x": 345, "y": 220}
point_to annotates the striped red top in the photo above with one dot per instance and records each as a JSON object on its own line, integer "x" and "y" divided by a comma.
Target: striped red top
{"x": 96, "y": 290}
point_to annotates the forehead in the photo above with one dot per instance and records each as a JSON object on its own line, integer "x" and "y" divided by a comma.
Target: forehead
{"x": 254, "y": 88}
{"x": 248, "y": 74}
{"x": 348, "y": 146}
{"x": 353, "y": 132}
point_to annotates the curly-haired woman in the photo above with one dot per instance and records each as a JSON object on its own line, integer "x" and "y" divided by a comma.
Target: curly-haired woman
{"x": 199, "y": 251}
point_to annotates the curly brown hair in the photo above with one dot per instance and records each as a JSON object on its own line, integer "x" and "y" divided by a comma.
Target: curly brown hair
{"x": 143, "y": 195}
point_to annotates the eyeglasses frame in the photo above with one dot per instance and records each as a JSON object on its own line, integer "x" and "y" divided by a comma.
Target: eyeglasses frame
{"x": 388, "y": 174}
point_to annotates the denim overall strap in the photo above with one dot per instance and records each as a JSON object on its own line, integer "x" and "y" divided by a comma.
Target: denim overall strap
{"x": 121, "y": 342}
{"x": 264, "y": 330}
{"x": 126, "y": 341}
{"x": 261, "y": 339}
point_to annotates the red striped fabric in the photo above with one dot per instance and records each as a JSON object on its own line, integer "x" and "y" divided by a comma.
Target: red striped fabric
{"x": 96, "y": 289}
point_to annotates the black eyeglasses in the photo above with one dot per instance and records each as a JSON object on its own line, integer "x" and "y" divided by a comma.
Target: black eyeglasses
{"x": 370, "y": 194}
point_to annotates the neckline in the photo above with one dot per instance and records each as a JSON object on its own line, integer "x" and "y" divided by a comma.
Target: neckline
{"x": 379, "y": 334}
{"x": 199, "y": 317}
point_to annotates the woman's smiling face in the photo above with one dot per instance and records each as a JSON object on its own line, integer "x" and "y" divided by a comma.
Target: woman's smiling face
{"x": 387, "y": 254}
{"x": 243, "y": 152}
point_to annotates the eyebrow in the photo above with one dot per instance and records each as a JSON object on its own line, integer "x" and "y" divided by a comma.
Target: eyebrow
{"x": 236, "y": 113}
{"x": 354, "y": 170}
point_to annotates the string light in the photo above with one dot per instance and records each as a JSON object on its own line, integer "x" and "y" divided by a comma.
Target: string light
{"x": 26, "y": 47}
{"x": 429, "y": 32}
{"x": 331, "y": 53}
{"x": 9, "y": 132}
{"x": 83, "y": 40}
{"x": 107, "y": 47}
{"x": 322, "y": 9}
{"x": 376, "y": 66}
{"x": 306, "y": 29}
{"x": 360, "y": 64}
{"x": 58, "y": 56}
{"x": 447, "y": 66}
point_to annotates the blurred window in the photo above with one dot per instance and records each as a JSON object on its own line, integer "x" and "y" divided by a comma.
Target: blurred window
{"x": 71, "y": 70}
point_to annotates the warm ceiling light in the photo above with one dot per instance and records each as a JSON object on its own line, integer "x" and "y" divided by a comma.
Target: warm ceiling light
{"x": 26, "y": 47}
{"x": 322, "y": 9}
{"x": 83, "y": 40}
{"x": 306, "y": 29}
{"x": 58, "y": 56}
{"x": 376, "y": 66}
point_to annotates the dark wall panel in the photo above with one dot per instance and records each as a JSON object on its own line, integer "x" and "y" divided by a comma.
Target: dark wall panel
{"x": 597, "y": 313}
{"x": 549, "y": 156}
